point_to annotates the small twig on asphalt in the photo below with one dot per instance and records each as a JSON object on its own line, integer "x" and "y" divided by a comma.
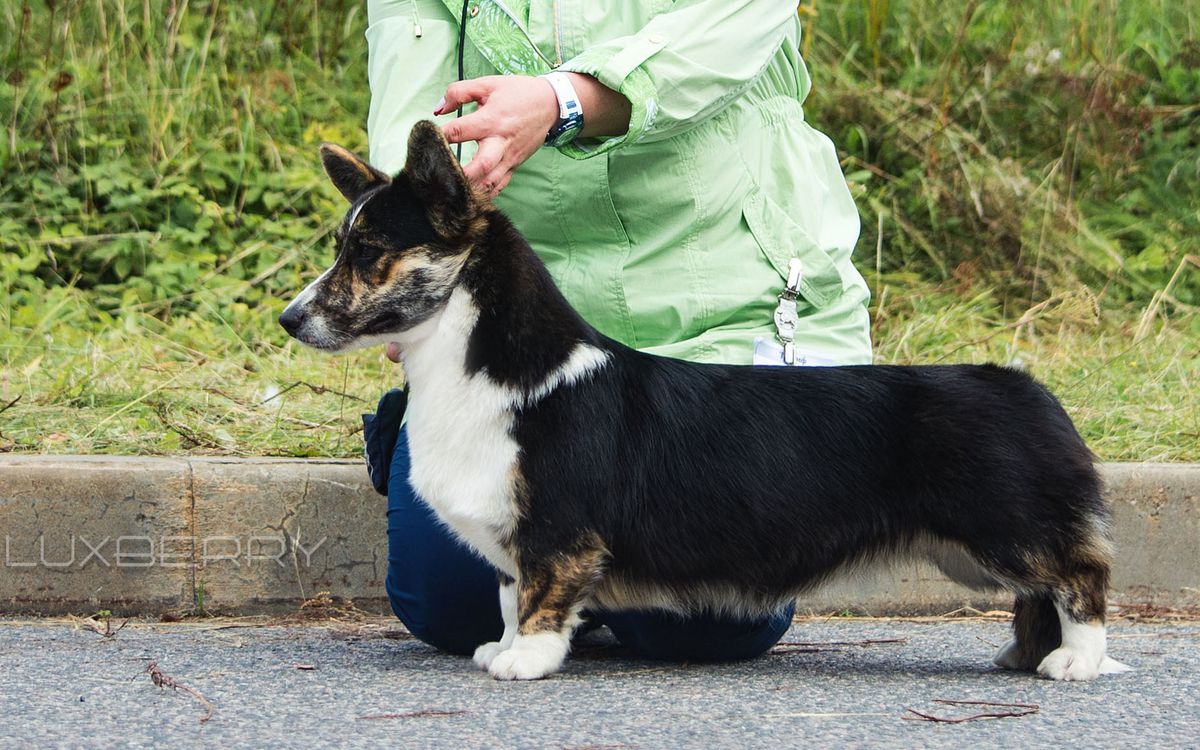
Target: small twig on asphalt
{"x": 812, "y": 647}
{"x": 1024, "y": 709}
{"x": 970, "y": 613}
{"x": 106, "y": 629}
{"x": 964, "y": 614}
{"x": 426, "y": 714}
{"x": 161, "y": 679}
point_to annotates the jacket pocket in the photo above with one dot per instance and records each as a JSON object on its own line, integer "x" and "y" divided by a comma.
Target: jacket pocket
{"x": 780, "y": 239}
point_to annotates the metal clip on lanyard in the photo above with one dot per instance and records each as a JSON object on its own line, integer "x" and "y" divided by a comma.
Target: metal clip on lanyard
{"x": 786, "y": 318}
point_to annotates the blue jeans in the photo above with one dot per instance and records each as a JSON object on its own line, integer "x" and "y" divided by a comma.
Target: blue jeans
{"x": 447, "y": 596}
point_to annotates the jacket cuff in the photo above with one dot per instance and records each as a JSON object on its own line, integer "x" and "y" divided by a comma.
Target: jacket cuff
{"x": 620, "y": 70}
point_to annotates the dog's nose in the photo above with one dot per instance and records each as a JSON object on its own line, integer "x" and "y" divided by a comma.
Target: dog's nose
{"x": 291, "y": 319}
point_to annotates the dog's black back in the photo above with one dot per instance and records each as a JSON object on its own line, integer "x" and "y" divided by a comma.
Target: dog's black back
{"x": 768, "y": 479}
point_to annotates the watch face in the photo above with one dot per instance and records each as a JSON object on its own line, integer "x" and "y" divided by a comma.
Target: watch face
{"x": 565, "y": 131}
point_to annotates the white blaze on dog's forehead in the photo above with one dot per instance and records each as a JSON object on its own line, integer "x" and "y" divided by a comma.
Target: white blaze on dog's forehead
{"x": 309, "y": 292}
{"x": 356, "y": 209}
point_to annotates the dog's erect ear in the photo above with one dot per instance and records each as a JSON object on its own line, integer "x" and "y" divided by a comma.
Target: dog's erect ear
{"x": 350, "y": 175}
{"x": 437, "y": 178}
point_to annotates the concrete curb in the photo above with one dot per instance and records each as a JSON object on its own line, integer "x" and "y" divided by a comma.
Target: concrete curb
{"x": 147, "y": 535}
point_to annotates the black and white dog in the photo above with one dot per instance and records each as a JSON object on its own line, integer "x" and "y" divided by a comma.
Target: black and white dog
{"x": 592, "y": 475}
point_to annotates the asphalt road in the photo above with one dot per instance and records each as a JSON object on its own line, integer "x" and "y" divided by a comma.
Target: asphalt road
{"x": 370, "y": 685}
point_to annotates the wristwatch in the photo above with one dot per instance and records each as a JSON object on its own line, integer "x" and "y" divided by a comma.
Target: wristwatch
{"x": 570, "y": 111}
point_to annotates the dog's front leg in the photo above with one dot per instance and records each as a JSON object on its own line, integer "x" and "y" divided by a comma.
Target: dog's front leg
{"x": 550, "y": 594}
{"x": 485, "y": 654}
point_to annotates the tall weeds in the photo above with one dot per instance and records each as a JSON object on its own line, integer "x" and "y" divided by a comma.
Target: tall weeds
{"x": 1023, "y": 145}
{"x": 155, "y": 151}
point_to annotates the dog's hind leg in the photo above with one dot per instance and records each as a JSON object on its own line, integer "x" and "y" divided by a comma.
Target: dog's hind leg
{"x": 1080, "y": 606}
{"x": 550, "y": 594}
{"x": 1036, "y": 632}
{"x": 1059, "y": 624}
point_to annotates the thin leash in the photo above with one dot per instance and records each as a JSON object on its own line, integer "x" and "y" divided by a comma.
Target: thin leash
{"x": 462, "y": 41}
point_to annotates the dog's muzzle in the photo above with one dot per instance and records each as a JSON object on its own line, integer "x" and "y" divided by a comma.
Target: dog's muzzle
{"x": 293, "y": 319}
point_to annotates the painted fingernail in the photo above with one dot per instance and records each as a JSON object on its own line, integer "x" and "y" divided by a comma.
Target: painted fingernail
{"x": 393, "y": 351}
{"x": 441, "y": 106}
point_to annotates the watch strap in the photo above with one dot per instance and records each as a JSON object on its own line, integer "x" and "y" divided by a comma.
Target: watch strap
{"x": 570, "y": 110}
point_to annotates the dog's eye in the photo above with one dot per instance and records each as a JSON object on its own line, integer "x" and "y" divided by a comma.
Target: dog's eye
{"x": 368, "y": 252}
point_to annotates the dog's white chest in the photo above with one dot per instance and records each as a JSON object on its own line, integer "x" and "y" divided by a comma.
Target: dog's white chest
{"x": 464, "y": 464}
{"x": 464, "y": 459}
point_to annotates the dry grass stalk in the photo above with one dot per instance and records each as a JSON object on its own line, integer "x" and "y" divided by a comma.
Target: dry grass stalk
{"x": 100, "y": 627}
{"x": 162, "y": 680}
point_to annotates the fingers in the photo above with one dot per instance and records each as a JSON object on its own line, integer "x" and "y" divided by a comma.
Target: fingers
{"x": 393, "y": 351}
{"x": 464, "y": 92}
{"x": 488, "y": 159}
{"x": 501, "y": 183}
{"x": 472, "y": 127}
{"x": 497, "y": 180}
{"x": 509, "y": 126}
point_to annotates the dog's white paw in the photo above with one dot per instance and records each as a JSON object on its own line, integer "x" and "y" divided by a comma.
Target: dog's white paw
{"x": 486, "y": 654}
{"x": 1008, "y": 657}
{"x": 531, "y": 657}
{"x": 1076, "y": 665}
{"x": 1082, "y": 655}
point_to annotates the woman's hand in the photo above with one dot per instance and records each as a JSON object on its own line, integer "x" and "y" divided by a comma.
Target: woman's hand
{"x": 514, "y": 115}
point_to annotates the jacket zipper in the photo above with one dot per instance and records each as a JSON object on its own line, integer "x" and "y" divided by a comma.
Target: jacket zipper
{"x": 557, "y": 35}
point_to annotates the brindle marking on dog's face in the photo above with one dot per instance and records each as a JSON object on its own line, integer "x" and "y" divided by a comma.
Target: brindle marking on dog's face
{"x": 398, "y": 254}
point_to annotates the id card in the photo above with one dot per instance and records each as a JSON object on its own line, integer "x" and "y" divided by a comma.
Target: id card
{"x": 769, "y": 353}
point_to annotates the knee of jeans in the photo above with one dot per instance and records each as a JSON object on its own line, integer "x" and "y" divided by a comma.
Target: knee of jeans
{"x": 445, "y": 625}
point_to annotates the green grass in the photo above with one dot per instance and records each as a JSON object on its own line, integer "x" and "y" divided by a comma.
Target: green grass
{"x": 211, "y": 384}
{"x": 1028, "y": 177}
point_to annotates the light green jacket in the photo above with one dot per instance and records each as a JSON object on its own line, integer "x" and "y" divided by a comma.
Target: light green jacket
{"x": 676, "y": 237}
